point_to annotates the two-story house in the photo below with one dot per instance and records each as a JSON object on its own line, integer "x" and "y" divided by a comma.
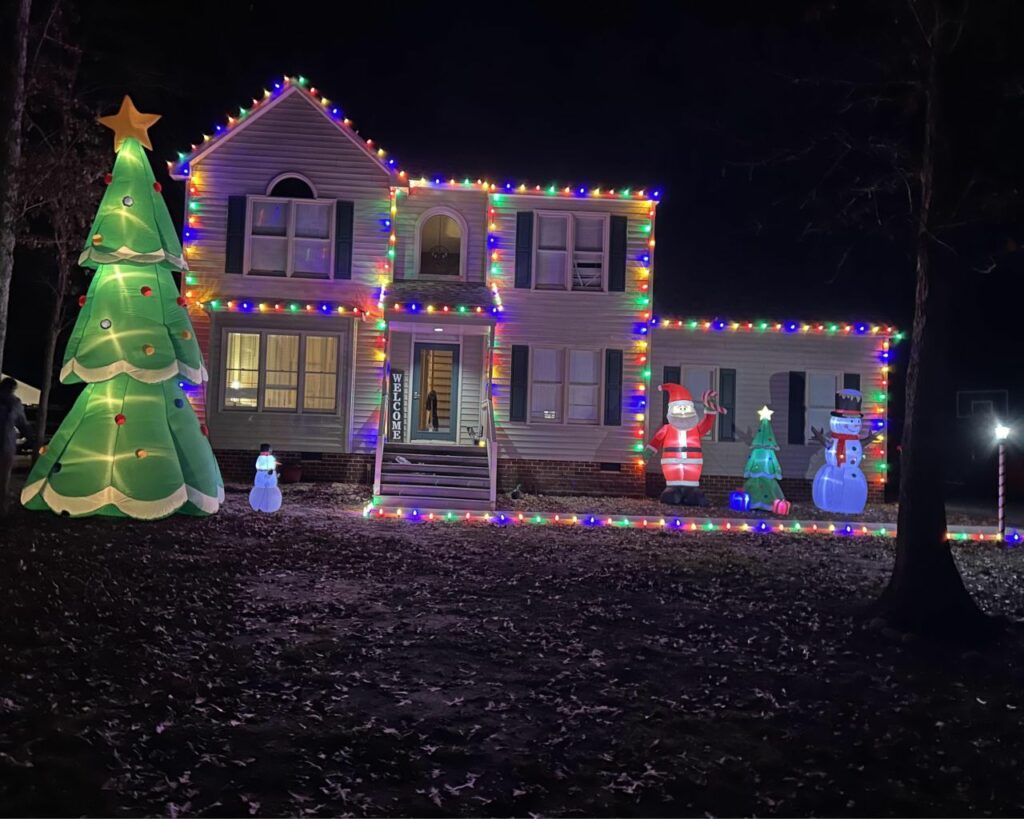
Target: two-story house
{"x": 438, "y": 337}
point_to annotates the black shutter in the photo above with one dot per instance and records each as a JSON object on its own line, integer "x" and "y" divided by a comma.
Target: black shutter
{"x": 671, "y": 375}
{"x": 617, "y": 254}
{"x": 797, "y": 394}
{"x": 524, "y": 249}
{"x": 727, "y": 400}
{"x": 343, "y": 212}
{"x": 519, "y": 382}
{"x": 234, "y": 245}
{"x": 851, "y": 381}
{"x": 613, "y": 388}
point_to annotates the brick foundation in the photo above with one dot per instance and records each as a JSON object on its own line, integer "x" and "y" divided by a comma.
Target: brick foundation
{"x": 718, "y": 487}
{"x": 238, "y": 465}
{"x": 570, "y": 478}
{"x": 533, "y": 476}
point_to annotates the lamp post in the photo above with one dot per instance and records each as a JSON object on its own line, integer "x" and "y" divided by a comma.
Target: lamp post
{"x": 1002, "y": 432}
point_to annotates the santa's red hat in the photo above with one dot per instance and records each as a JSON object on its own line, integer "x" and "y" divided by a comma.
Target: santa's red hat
{"x": 676, "y": 392}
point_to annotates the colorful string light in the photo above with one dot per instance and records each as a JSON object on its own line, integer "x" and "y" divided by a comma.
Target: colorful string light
{"x": 875, "y": 401}
{"x": 322, "y": 308}
{"x": 181, "y": 167}
{"x": 677, "y": 524}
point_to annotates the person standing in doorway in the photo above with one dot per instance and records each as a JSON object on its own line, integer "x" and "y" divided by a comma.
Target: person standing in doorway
{"x": 12, "y": 421}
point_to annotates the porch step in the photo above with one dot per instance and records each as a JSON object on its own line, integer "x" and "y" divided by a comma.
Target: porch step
{"x": 448, "y": 493}
{"x": 409, "y": 502}
{"x": 435, "y": 476}
{"x": 475, "y": 482}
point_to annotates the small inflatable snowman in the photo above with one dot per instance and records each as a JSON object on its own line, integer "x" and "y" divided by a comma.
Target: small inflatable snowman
{"x": 265, "y": 495}
{"x": 840, "y": 485}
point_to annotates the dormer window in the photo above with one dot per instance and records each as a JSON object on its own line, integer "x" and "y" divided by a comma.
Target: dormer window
{"x": 441, "y": 245}
{"x": 290, "y": 231}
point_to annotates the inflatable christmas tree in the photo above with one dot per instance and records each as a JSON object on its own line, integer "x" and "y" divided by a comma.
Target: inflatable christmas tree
{"x": 762, "y": 471}
{"x": 131, "y": 445}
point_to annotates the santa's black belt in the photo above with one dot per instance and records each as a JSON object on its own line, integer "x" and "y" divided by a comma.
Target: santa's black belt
{"x": 682, "y": 449}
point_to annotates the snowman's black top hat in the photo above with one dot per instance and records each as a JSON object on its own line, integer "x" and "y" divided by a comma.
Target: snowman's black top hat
{"x": 848, "y": 402}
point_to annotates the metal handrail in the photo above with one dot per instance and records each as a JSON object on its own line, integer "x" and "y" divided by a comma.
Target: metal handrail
{"x": 491, "y": 440}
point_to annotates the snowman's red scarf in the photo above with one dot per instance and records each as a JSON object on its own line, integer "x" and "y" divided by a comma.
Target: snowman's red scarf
{"x": 842, "y": 438}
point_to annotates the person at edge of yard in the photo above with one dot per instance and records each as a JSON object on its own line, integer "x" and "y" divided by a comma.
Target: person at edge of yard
{"x": 12, "y": 421}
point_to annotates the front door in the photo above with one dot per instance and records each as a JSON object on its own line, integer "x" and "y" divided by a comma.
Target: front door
{"x": 435, "y": 395}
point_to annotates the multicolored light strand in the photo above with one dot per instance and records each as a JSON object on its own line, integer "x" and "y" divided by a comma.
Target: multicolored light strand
{"x": 657, "y": 523}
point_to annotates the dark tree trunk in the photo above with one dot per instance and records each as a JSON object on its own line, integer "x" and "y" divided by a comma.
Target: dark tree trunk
{"x": 926, "y": 594}
{"x": 14, "y": 107}
{"x": 52, "y": 335}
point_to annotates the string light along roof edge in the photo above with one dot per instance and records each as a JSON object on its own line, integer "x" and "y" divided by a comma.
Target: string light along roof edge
{"x": 288, "y": 86}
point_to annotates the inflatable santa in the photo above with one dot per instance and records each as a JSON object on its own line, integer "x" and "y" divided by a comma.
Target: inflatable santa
{"x": 682, "y": 459}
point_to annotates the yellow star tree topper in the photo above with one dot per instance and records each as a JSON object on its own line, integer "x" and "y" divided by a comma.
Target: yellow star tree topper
{"x": 130, "y": 122}
{"x": 765, "y": 414}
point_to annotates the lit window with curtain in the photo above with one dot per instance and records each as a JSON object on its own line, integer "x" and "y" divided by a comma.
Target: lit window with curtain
{"x": 320, "y": 374}
{"x": 547, "y": 385}
{"x": 242, "y": 370}
{"x": 281, "y": 385}
{"x": 584, "y": 386}
{"x": 440, "y": 246}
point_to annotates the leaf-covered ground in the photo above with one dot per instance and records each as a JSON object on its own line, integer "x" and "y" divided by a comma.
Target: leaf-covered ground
{"x": 318, "y": 663}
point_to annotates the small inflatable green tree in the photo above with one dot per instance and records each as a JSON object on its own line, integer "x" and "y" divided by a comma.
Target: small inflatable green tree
{"x": 762, "y": 471}
{"x": 131, "y": 446}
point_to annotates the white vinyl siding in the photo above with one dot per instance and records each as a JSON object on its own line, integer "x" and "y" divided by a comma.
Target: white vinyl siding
{"x": 294, "y": 137}
{"x": 762, "y": 362}
{"x": 559, "y": 319}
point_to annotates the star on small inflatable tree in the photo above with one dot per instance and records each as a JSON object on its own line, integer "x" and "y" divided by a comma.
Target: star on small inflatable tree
{"x": 131, "y": 446}
{"x": 762, "y": 471}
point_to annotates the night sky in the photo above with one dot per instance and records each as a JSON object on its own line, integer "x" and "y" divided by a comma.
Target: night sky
{"x": 701, "y": 102}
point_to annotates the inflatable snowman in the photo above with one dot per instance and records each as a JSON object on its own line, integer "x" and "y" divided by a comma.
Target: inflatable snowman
{"x": 840, "y": 485}
{"x": 265, "y": 496}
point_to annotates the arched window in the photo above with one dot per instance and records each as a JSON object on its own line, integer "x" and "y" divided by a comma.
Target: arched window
{"x": 291, "y": 187}
{"x": 440, "y": 246}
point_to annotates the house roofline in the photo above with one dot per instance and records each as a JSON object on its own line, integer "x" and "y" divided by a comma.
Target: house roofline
{"x": 287, "y": 87}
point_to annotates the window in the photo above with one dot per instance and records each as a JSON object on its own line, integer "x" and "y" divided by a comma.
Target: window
{"x": 281, "y": 372}
{"x": 698, "y": 380}
{"x": 321, "y": 371}
{"x": 440, "y": 246}
{"x": 820, "y": 401}
{"x": 291, "y": 237}
{"x": 584, "y": 386}
{"x": 242, "y": 370}
{"x": 552, "y": 251}
{"x": 546, "y": 394}
{"x": 281, "y": 388}
{"x": 571, "y": 251}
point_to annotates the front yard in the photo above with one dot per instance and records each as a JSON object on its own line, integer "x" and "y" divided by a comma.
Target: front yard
{"x": 319, "y": 663}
